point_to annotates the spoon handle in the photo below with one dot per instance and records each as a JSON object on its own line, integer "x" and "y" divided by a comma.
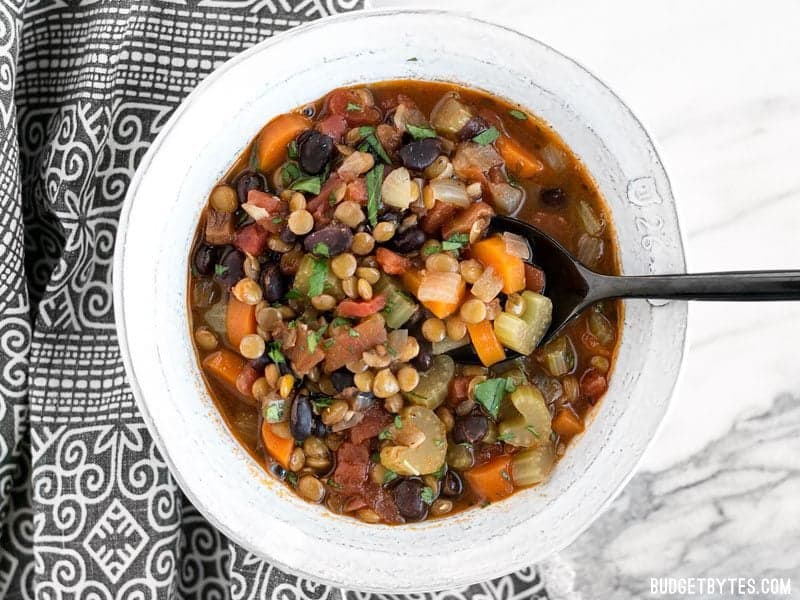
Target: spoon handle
{"x": 735, "y": 285}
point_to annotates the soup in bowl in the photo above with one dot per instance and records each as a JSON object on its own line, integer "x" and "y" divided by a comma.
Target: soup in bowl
{"x": 203, "y": 154}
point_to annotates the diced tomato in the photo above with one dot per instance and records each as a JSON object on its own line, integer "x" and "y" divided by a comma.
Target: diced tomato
{"x": 360, "y": 308}
{"x": 374, "y": 421}
{"x": 534, "y": 279}
{"x": 320, "y": 206}
{"x": 264, "y": 200}
{"x": 459, "y": 390}
{"x": 485, "y": 453}
{"x": 352, "y": 344}
{"x": 391, "y": 262}
{"x": 251, "y": 239}
{"x": 440, "y": 214}
{"x": 357, "y": 191}
{"x": 303, "y": 360}
{"x": 334, "y": 126}
{"x": 344, "y": 102}
{"x": 383, "y": 503}
{"x": 352, "y": 468}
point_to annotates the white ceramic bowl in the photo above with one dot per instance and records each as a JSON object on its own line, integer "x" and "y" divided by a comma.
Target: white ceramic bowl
{"x": 162, "y": 209}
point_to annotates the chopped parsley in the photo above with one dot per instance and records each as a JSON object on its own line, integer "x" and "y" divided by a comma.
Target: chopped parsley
{"x": 289, "y": 173}
{"x": 293, "y": 294}
{"x": 373, "y": 142}
{"x": 389, "y": 476}
{"x": 353, "y": 333}
{"x": 220, "y": 270}
{"x": 490, "y": 393}
{"x": 334, "y": 484}
{"x": 487, "y": 137}
{"x": 312, "y": 185}
{"x": 412, "y": 59}
{"x": 292, "y": 150}
{"x": 277, "y": 220}
{"x": 432, "y": 249}
{"x": 398, "y": 422}
{"x": 322, "y": 249}
{"x": 353, "y": 107}
{"x": 316, "y": 281}
{"x": 324, "y": 402}
{"x": 420, "y": 133}
{"x": 518, "y": 114}
{"x": 427, "y": 495}
{"x": 374, "y": 182}
{"x": 291, "y": 478}
{"x": 328, "y": 343}
{"x": 312, "y": 339}
{"x": 275, "y": 353}
{"x": 439, "y": 473}
{"x": 504, "y": 437}
{"x": 375, "y": 457}
{"x": 438, "y": 442}
{"x": 385, "y": 434}
{"x": 332, "y": 199}
{"x": 340, "y": 321}
{"x": 455, "y": 241}
{"x": 533, "y": 431}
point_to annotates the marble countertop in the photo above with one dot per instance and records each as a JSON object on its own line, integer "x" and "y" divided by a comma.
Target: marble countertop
{"x": 718, "y": 84}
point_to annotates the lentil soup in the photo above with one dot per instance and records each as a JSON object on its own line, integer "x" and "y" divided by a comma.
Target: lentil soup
{"x": 346, "y": 252}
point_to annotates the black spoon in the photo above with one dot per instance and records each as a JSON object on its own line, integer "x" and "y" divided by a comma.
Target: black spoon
{"x": 572, "y": 287}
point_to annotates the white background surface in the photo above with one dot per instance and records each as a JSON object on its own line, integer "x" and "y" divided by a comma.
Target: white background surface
{"x": 718, "y": 84}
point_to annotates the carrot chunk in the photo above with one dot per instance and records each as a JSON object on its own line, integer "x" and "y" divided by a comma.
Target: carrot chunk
{"x": 225, "y": 366}
{"x": 518, "y": 160}
{"x": 274, "y": 137}
{"x": 487, "y": 346}
{"x": 492, "y": 481}
{"x": 566, "y": 423}
{"x": 240, "y": 320}
{"x": 491, "y": 252}
{"x": 279, "y": 448}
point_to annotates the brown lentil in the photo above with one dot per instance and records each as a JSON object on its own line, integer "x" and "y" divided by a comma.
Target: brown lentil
{"x": 272, "y": 374}
{"x": 368, "y": 515}
{"x": 344, "y": 265}
{"x": 433, "y": 329}
{"x": 323, "y": 302}
{"x": 205, "y": 338}
{"x": 335, "y": 412}
{"x": 363, "y": 381}
{"x": 385, "y": 384}
{"x": 370, "y": 274}
{"x": 455, "y": 327}
{"x": 363, "y": 243}
{"x": 471, "y": 270}
{"x": 297, "y": 460}
{"x": 383, "y": 231}
{"x": 300, "y": 222}
{"x": 473, "y": 311}
{"x": 260, "y": 388}
{"x": 441, "y": 506}
{"x": 364, "y": 289}
{"x": 442, "y": 262}
{"x": 223, "y": 198}
{"x": 252, "y": 346}
{"x": 407, "y": 379}
{"x": 349, "y": 213}
{"x": 297, "y": 202}
{"x": 393, "y": 403}
{"x": 248, "y": 291}
{"x": 285, "y": 385}
{"x": 314, "y": 447}
{"x": 350, "y": 287}
{"x": 310, "y": 488}
{"x": 600, "y": 363}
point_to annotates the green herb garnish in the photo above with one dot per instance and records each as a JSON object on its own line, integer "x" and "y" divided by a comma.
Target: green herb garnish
{"x": 377, "y": 148}
{"x": 275, "y": 353}
{"x": 385, "y": 435}
{"x": 412, "y": 59}
{"x": 486, "y": 137}
{"x": 220, "y": 270}
{"x": 322, "y": 402}
{"x": 332, "y": 199}
{"x": 321, "y": 249}
{"x": 312, "y": 339}
{"x": 312, "y": 185}
{"x": 398, "y": 422}
{"x": 504, "y": 437}
{"x": 533, "y": 431}
{"x": 273, "y": 412}
{"x": 340, "y": 321}
{"x": 427, "y": 495}
{"x": 455, "y": 241}
{"x": 432, "y": 249}
{"x": 353, "y": 333}
{"x": 374, "y": 182}
{"x": 490, "y": 394}
{"x": 389, "y": 476}
{"x": 334, "y": 484}
{"x": 518, "y": 114}
{"x": 293, "y": 294}
{"x": 292, "y": 150}
{"x": 439, "y": 473}
{"x": 328, "y": 343}
{"x": 277, "y": 220}
{"x": 316, "y": 281}
{"x": 291, "y": 478}
{"x": 438, "y": 442}
{"x": 375, "y": 457}
{"x": 420, "y": 133}
{"x": 289, "y": 173}
{"x": 365, "y": 130}
{"x": 353, "y": 107}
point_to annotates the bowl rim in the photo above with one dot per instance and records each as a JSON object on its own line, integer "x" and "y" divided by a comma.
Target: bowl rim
{"x": 152, "y": 151}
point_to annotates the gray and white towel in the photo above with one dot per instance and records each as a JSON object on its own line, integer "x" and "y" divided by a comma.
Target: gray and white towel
{"x": 87, "y": 505}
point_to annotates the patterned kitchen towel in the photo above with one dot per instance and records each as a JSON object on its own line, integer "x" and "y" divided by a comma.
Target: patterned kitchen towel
{"x": 88, "y": 508}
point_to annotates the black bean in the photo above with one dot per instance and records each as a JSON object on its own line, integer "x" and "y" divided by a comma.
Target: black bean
{"x": 475, "y": 126}
{"x": 423, "y": 360}
{"x": 470, "y": 429}
{"x": 337, "y": 238}
{"x": 408, "y": 497}
{"x": 315, "y": 150}
{"x": 259, "y": 363}
{"x": 389, "y": 217}
{"x": 408, "y": 241}
{"x": 287, "y": 236}
{"x": 342, "y": 379}
{"x": 553, "y": 197}
{"x": 249, "y": 180}
{"x": 230, "y": 268}
{"x": 205, "y": 258}
{"x": 452, "y": 486}
{"x": 301, "y": 418}
{"x": 420, "y": 154}
{"x": 274, "y": 283}
{"x": 319, "y": 428}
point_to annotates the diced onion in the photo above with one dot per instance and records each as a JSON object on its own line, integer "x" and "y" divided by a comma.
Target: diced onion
{"x": 488, "y": 285}
{"x": 449, "y": 190}
{"x": 255, "y": 212}
{"x": 505, "y": 198}
{"x": 438, "y": 286}
{"x": 554, "y": 157}
{"x": 591, "y": 222}
{"x": 517, "y": 245}
{"x": 601, "y": 328}
{"x": 590, "y": 250}
{"x": 349, "y": 422}
{"x": 450, "y": 115}
{"x": 471, "y": 157}
{"x": 396, "y": 190}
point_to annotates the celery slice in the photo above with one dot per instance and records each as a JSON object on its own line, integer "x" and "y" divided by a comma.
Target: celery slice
{"x": 515, "y": 333}
{"x": 538, "y": 314}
